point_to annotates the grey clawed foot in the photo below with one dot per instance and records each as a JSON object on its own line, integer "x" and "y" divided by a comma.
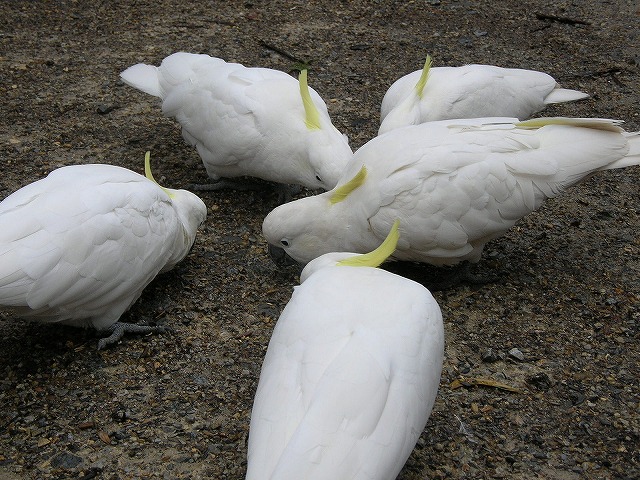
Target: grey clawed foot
{"x": 222, "y": 184}
{"x": 285, "y": 192}
{"x": 118, "y": 329}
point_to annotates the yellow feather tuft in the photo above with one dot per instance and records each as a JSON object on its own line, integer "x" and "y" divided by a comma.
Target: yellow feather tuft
{"x": 379, "y": 255}
{"x": 424, "y": 77}
{"x": 312, "y": 116}
{"x": 147, "y": 167}
{"x": 149, "y": 175}
{"x": 597, "y": 123}
{"x": 341, "y": 192}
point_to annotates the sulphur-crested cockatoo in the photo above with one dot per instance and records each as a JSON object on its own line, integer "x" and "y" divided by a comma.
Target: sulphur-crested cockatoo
{"x": 243, "y": 121}
{"x": 350, "y": 375}
{"x": 79, "y": 246}
{"x": 454, "y": 185}
{"x": 470, "y": 91}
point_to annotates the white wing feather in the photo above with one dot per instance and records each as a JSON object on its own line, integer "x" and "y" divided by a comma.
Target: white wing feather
{"x": 79, "y": 246}
{"x": 348, "y": 380}
{"x": 470, "y": 91}
{"x": 245, "y": 121}
{"x": 454, "y": 185}
{"x": 474, "y": 185}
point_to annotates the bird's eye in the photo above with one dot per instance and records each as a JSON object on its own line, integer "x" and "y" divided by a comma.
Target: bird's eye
{"x": 318, "y": 178}
{"x": 284, "y": 243}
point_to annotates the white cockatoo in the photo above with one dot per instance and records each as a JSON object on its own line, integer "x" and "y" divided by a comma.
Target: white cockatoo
{"x": 350, "y": 375}
{"x": 80, "y": 245}
{"x": 470, "y": 91}
{"x": 454, "y": 185}
{"x": 244, "y": 121}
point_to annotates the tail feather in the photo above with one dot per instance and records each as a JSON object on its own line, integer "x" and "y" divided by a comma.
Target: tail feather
{"x": 174, "y": 70}
{"x": 632, "y": 158}
{"x": 630, "y": 144}
{"x": 143, "y": 77}
{"x": 596, "y": 123}
{"x": 561, "y": 95}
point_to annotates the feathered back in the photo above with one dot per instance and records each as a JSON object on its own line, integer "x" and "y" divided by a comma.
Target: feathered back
{"x": 247, "y": 121}
{"x": 175, "y": 69}
{"x": 454, "y": 185}
{"x": 469, "y": 91}
{"x": 81, "y": 244}
{"x": 349, "y": 378}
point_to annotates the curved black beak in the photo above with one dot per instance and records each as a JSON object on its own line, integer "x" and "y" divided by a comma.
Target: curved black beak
{"x": 280, "y": 257}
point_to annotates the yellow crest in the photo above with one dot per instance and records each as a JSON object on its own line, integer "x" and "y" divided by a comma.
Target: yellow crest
{"x": 341, "y": 192}
{"x": 149, "y": 175}
{"x": 423, "y": 78}
{"x": 379, "y": 255}
{"x": 312, "y": 116}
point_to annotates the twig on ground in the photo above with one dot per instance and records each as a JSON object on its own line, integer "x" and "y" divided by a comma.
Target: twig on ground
{"x": 283, "y": 53}
{"x": 556, "y": 18}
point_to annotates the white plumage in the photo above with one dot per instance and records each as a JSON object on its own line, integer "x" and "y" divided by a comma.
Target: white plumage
{"x": 247, "y": 121}
{"x": 470, "y": 91}
{"x": 454, "y": 185}
{"x": 79, "y": 246}
{"x": 350, "y": 376}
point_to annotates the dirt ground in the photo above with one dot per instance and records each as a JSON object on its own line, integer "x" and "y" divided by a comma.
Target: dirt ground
{"x": 558, "y": 331}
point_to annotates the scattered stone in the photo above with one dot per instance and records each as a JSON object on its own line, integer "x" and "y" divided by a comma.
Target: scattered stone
{"x": 540, "y": 380}
{"x": 104, "y": 109}
{"x": 65, "y": 460}
{"x": 517, "y": 354}
{"x": 490, "y": 356}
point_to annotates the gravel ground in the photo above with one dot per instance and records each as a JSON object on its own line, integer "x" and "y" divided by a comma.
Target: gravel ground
{"x": 541, "y": 371}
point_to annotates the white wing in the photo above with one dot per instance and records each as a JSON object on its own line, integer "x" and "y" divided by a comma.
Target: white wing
{"x": 456, "y": 187}
{"x": 80, "y": 245}
{"x": 245, "y": 121}
{"x": 349, "y": 379}
{"x": 471, "y": 91}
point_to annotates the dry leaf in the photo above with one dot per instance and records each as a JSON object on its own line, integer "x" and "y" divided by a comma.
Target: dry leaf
{"x": 104, "y": 436}
{"x": 467, "y": 382}
{"x": 43, "y": 441}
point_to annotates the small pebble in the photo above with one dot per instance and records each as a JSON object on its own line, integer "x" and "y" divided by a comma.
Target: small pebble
{"x": 517, "y": 354}
{"x": 490, "y": 356}
{"x": 104, "y": 109}
{"x": 66, "y": 460}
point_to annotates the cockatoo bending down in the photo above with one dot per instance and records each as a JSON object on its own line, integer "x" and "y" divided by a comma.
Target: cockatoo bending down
{"x": 454, "y": 185}
{"x": 470, "y": 91}
{"x": 350, "y": 375}
{"x": 79, "y": 246}
{"x": 243, "y": 121}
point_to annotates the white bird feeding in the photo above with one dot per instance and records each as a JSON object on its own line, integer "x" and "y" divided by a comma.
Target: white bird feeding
{"x": 470, "y": 91}
{"x": 454, "y": 185}
{"x": 243, "y": 121}
{"x": 79, "y": 246}
{"x": 350, "y": 375}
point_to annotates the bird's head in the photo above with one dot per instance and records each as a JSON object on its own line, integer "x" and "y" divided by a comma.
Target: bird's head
{"x": 328, "y": 150}
{"x": 299, "y": 230}
{"x": 328, "y": 154}
{"x": 309, "y": 227}
{"x": 347, "y": 259}
{"x": 189, "y": 208}
{"x": 408, "y": 111}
